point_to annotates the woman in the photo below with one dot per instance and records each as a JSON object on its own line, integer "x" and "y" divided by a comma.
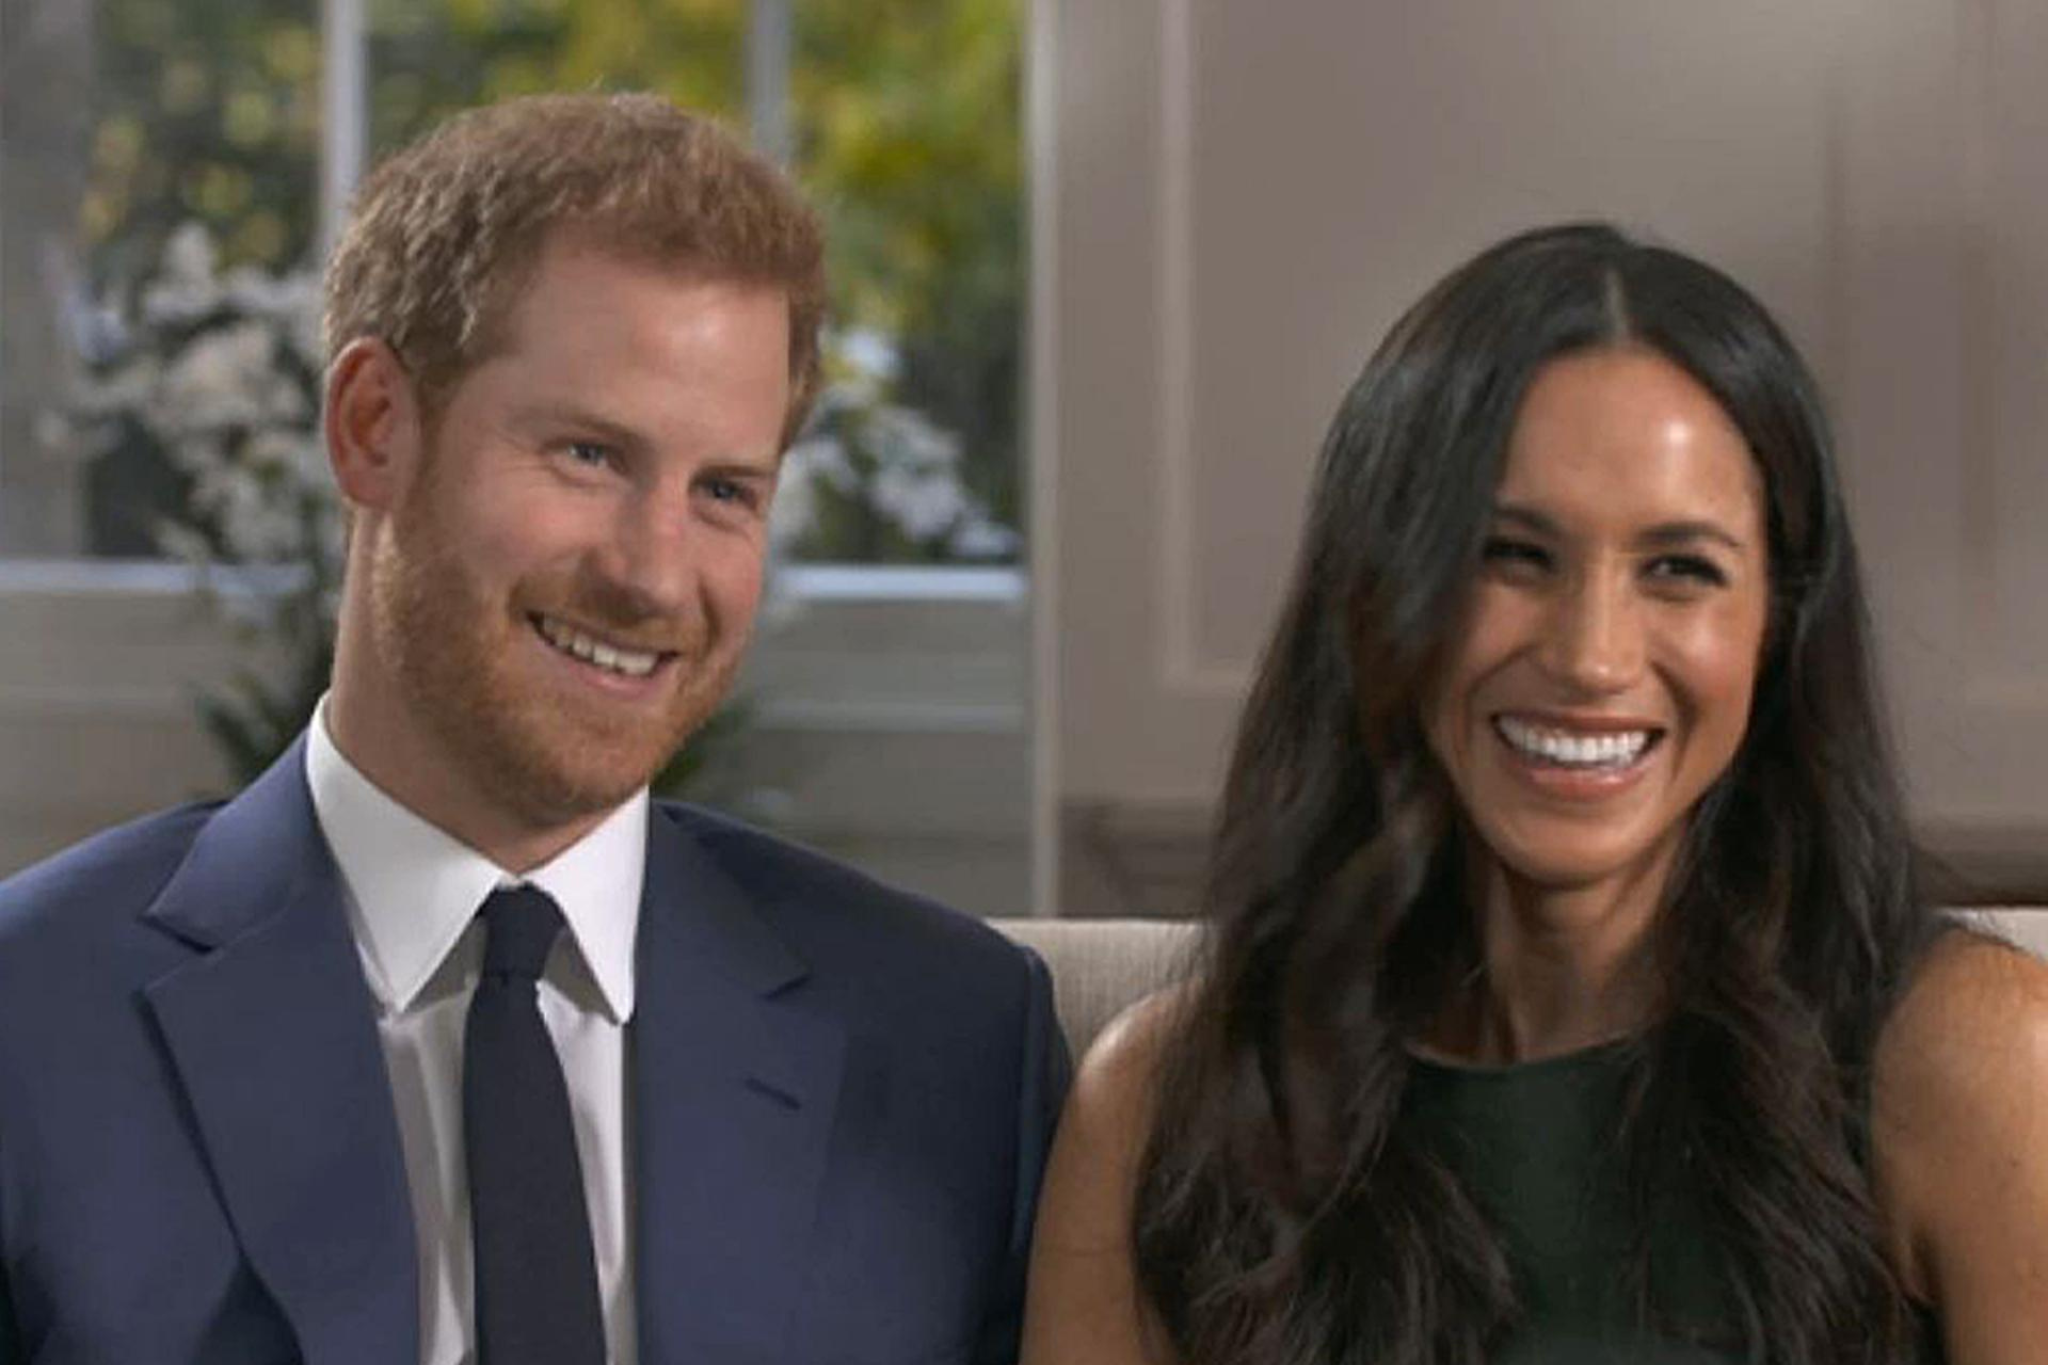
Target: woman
{"x": 1568, "y": 995}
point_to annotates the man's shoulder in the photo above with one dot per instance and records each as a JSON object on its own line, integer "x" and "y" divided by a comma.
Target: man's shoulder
{"x": 75, "y": 897}
{"x": 819, "y": 901}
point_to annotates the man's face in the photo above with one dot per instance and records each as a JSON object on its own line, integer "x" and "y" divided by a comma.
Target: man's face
{"x": 563, "y": 588}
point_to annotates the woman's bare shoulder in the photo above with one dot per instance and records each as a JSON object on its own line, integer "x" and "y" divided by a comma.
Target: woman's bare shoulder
{"x": 1115, "y": 1084}
{"x": 1960, "y": 1142}
{"x": 1084, "y": 1302}
{"x": 1973, "y": 1019}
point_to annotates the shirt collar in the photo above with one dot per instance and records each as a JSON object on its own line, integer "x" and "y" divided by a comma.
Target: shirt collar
{"x": 414, "y": 888}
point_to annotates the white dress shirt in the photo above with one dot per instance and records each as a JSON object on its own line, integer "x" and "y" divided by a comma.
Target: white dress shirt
{"x": 413, "y": 894}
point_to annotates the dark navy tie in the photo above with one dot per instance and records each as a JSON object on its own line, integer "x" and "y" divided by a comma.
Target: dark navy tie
{"x": 536, "y": 1276}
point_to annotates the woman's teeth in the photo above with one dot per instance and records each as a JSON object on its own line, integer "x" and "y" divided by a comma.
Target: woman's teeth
{"x": 633, "y": 663}
{"x": 1611, "y": 749}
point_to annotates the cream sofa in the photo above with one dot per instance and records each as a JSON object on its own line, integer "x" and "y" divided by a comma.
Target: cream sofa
{"x": 1101, "y": 965}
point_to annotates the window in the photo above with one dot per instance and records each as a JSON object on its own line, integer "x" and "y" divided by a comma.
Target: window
{"x": 156, "y": 249}
{"x": 166, "y": 261}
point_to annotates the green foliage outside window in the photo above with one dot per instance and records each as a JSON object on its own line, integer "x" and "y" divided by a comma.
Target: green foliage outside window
{"x": 907, "y": 132}
{"x": 207, "y": 110}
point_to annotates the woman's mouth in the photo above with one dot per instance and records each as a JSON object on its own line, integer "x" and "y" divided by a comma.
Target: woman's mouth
{"x": 1605, "y": 749}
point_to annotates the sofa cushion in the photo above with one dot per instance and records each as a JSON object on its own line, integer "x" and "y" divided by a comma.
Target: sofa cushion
{"x": 1100, "y": 966}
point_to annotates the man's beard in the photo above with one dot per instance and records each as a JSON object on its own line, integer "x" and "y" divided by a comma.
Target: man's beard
{"x": 455, "y": 655}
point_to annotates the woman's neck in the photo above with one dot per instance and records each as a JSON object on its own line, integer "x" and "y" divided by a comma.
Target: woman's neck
{"x": 1560, "y": 969}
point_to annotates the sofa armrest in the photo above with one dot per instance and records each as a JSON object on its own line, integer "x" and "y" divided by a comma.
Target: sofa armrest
{"x": 1101, "y": 966}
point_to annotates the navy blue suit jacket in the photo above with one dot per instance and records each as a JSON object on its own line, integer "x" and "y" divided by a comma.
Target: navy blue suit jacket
{"x": 839, "y": 1101}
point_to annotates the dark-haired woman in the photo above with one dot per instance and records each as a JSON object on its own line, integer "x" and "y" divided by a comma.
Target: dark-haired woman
{"x": 1568, "y": 995}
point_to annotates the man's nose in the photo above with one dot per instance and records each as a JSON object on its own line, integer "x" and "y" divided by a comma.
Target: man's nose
{"x": 1595, "y": 636}
{"x": 646, "y": 558}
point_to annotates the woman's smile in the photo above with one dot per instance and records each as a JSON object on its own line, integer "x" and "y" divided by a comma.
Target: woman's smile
{"x": 1577, "y": 759}
{"x": 1600, "y": 679}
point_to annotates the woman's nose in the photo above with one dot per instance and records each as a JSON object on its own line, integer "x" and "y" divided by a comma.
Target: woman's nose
{"x": 1595, "y": 637}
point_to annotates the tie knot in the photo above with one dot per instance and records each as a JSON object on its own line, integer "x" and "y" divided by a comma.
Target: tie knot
{"x": 520, "y": 924}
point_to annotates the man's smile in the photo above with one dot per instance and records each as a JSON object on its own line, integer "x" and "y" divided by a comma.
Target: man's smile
{"x": 591, "y": 649}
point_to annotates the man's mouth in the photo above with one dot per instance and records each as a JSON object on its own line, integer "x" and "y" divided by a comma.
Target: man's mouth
{"x": 1604, "y": 750}
{"x": 605, "y": 654}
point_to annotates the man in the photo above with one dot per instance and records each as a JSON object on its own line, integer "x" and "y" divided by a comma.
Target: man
{"x": 442, "y": 1042}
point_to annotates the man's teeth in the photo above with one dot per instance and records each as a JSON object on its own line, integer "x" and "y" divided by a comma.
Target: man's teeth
{"x": 631, "y": 662}
{"x": 1615, "y": 749}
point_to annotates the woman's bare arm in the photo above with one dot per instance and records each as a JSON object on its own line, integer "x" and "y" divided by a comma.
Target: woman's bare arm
{"x": 1960, "y": 1144}
{"x": 1084, "y": 1307}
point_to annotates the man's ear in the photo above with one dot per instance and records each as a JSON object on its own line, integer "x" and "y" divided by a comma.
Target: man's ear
{"x": 372, "y": 424}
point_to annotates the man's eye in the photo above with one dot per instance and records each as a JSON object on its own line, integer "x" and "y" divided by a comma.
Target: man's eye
{"x": 733, "y": 491}
{"x": 591, "y": 453}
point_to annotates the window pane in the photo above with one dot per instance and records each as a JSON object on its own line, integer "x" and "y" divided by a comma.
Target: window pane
{"x": 175, "y": 278}
{"x": 908, "y": 130}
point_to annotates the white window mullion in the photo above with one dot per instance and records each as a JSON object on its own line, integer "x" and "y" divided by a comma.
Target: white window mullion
{"x": 769, "y": 30}
{"x": 344, "y": 130}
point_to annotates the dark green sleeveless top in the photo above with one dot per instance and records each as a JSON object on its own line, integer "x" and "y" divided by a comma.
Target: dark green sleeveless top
{"x": 1534, "y": 1144}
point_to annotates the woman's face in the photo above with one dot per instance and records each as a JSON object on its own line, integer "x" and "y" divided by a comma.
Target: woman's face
{"x": 1601, "y": 678}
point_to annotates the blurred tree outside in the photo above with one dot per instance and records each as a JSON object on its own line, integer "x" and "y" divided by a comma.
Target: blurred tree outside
{"x": 206, "y": 119}
{"x": 908, "y": 134}
{"x": 207, "y": 111}
{"x": 909, "y": 130}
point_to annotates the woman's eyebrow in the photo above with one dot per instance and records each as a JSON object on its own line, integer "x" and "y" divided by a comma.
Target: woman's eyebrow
{"x": 1527, "y": 517}
{"x": 1686, "y": 531}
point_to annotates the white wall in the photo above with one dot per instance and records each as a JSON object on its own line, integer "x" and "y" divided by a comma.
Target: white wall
{"x": 1248, "y": 195}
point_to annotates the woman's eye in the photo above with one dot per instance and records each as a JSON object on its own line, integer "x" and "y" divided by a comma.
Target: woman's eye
{"x": 1695, "y": 569}
{"x": 1520, "y": 555}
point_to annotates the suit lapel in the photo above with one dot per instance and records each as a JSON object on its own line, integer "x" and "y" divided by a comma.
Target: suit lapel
{"x": 272, "y": 1032}
{"x": 735, "y": 1078}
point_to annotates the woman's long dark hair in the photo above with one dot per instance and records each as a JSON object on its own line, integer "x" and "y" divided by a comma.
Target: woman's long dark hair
{"x": 1285, "y": 1215}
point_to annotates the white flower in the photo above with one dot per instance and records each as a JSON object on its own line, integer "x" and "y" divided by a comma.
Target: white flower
{"x": 815, "y": 460}
{"x": 894, "y": 460}
{"x": 291, "y": 302}
{"x": 869, "y": 358}
{"x": 795, "y": 509}
{"x": 186, "y": 287}
{"x": 979, "y": 538}
{"x": 923, "y": 504}
{"x": 183, "y": 543}
{"x": 906, "y": 438}
{"x": 224, "y": 378}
